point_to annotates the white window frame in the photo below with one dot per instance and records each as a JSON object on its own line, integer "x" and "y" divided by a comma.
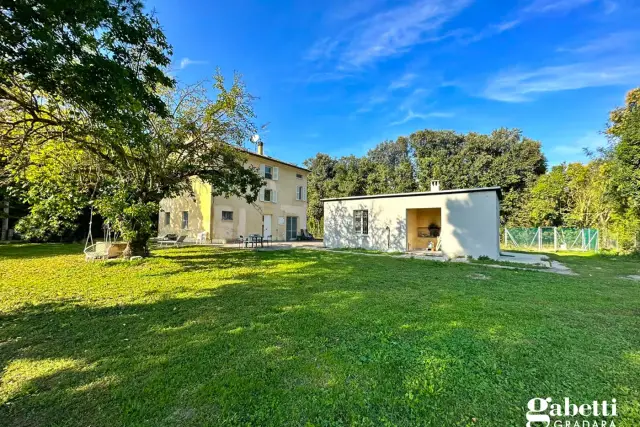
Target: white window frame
{"x": 270, "y": 172}
{"x": 361, "y": 221}
{"x": 273, "y": 195}
{"x": 227, "y": 219}
{"x": 299, "y": 192}
{"x": 185, "y": 220}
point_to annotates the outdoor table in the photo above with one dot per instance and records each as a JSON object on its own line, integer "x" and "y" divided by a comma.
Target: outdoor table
{"x": 254, "y": 239}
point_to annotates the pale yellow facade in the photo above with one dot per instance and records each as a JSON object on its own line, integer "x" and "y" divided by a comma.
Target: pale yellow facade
{"x": 280, "y": 212}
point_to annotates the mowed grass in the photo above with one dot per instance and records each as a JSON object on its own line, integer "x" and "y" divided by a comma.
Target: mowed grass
{"x": 205, "y": 336}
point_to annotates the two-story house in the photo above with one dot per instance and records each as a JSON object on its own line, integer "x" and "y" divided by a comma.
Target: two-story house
{"x": 280, "y": 212}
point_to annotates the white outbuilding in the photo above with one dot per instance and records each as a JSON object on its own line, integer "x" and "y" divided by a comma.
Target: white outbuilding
{"x": 452, "y": 223}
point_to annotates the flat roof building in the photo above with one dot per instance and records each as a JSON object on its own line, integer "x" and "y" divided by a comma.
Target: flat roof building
{"x": 454, "y": 223}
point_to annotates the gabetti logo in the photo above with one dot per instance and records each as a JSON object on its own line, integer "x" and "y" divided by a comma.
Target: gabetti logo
{"x": 599, "y": 413}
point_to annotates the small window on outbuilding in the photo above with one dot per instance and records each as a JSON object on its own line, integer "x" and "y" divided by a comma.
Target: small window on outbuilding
{"x": 167, "y": 218}
{"x": 227, "y": 215}
{"x": 361, "y": 221}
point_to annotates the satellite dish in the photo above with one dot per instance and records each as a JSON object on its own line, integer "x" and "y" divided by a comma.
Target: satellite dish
{"x": 255, "y": 138}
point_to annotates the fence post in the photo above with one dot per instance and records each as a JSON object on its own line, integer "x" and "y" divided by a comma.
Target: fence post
{"x": 540, "y": 239}
{"x": 555, "y": 239}
{"x": 505, "y": 236}
{"x": 584, "y": 245}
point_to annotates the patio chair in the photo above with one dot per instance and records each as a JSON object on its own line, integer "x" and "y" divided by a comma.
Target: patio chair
{"x": 169, "y": 243}
{"x": 164, "y": 238}
{"x": 308, "y": 235}
{"x": 201, "y": 237}
{"x": 240, "y": 240}
{"x": 268, "y": 239}
{"x": 303, "y": 236}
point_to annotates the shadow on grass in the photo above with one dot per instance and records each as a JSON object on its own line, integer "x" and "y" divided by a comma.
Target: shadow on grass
{"x": 313, "y": 337}
{"x": 35, "y": 250}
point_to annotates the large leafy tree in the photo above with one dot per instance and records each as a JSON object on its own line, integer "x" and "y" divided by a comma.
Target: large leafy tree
{"x": 503, "y": 158}
{"x": 86, "y": 109}
{"x": 624, "y": 182}
{"x": 320, "y": 184}
{"x": 200, "y": 138}
{"x": 624, "y": 130}
{"x": 97, "y": 60}
{"x": 75, "y": 77}
{"x": 571, "y": 195}
{"x": 389, "y": 168}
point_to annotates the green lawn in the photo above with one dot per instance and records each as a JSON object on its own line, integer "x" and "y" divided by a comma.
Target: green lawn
{"x": 204, "y": 336}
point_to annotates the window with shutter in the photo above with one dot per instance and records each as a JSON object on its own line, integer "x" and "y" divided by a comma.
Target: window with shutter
{"x": 276, "y": 172}
{"x": 268, "y": 172}
{"x": 299, "y": 192}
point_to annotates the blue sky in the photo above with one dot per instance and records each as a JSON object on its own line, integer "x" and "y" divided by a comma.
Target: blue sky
{"x": 339, "y": 76}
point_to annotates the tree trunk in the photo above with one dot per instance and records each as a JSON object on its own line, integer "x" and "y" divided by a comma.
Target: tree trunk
{"x": 137, "y": 246}
{"x": 4, "y": 234}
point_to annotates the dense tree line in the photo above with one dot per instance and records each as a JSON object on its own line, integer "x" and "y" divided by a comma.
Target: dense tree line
{"x": 603, "y": 193}
{"x": 504, "y": 158}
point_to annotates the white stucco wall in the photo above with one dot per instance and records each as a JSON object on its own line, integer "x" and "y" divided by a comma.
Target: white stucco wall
{"x": 470, "y": 222}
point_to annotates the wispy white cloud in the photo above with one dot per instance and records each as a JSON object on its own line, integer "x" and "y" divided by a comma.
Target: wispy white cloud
{"x": 328, "y": 76}
{"x": 411, "y": 115}
{"x": 490, "y": 31}
{"x": 377, "y": 36}
{"x": 618, "y": 41}
{"x": 550, "y": 6}
{"x": 185, "y": 62}
{"x": 397, "y": 30}
{"x": 522, "y": 86}
{"x": 404, "y": 81}
{"x": 372, "y": 101}
{"x": 532, "y": 10}
{"x": 322, "y": 49}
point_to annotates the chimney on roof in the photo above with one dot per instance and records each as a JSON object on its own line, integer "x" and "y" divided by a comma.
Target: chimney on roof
{"x": 435, "y": 185}
{"x": 260, "y": 148}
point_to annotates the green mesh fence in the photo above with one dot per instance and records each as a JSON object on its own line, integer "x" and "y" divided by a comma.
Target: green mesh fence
{"x": 552, "y": 238}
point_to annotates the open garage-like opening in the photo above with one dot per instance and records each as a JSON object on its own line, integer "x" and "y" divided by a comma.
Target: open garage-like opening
{"x": 423, "y": 229}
